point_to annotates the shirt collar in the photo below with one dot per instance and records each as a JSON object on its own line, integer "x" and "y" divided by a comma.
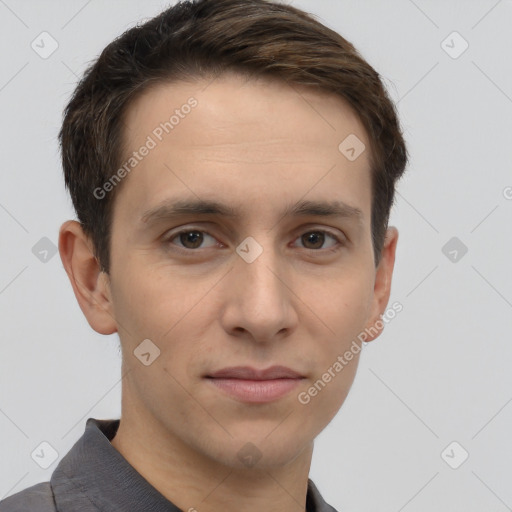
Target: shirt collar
{"x": 94, "y": 476}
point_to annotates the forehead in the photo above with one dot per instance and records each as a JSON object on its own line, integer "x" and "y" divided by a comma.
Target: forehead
{"x": 245, "y": 109}
{"x": 236, "y": 135}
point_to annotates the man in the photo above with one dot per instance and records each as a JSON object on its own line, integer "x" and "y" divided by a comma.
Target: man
{"x": 232, "y": 164}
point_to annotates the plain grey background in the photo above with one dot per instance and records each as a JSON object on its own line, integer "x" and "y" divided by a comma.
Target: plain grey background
{"x": 440, "y": 373}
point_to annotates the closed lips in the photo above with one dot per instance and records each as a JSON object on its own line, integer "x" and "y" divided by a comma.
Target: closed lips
{"x": 249, "y": 373}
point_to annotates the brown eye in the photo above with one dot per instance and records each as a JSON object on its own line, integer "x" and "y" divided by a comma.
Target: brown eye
{"x": 191, "y": 239}
{"x": 316, "y": 240}
{"x": 313, "y": 240}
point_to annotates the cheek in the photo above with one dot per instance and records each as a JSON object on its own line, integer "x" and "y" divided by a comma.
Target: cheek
{"x": 343, "y": 305}
{"x": 342, "y": 301}
{"x": 148, "y": 303}
{"x": 137, "y": 301}
{"x": 344, "y": 311}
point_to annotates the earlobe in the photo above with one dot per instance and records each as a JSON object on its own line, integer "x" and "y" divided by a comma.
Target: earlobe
{"x": 90, "y": 285}
{"x": 382, "y": 286}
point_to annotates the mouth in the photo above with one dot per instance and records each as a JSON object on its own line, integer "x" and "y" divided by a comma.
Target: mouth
{"x": 247, "y": 384}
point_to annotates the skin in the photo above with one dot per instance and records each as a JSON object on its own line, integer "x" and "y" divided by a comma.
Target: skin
{"x": 257, "y": 146}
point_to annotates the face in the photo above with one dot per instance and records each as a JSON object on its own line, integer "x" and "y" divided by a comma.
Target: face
{"x": 241, "y": 238}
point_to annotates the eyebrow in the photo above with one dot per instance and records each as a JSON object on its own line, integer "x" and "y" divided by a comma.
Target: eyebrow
{"x": 173, "y": 209}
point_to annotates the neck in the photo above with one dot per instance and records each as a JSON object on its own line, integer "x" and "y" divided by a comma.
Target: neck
{"x": 197, "y": 483}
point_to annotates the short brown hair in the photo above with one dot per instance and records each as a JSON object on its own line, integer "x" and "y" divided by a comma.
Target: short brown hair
{"x": 204, "y": 38}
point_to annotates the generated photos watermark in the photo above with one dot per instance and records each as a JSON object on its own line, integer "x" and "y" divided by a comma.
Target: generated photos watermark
{"x": 304, "y": 397}
{"x": 152, "y": 141}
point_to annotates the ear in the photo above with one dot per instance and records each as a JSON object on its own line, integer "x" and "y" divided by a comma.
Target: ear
{"x": 90, "y": 284}
{"x": 382, "y": 286}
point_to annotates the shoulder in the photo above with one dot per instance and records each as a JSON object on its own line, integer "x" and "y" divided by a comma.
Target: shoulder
{"x": 38, "y": 498}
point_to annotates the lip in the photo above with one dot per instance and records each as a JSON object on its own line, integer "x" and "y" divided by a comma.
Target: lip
{"x": 250, "y": 373}
{"x": 248, "y": 384}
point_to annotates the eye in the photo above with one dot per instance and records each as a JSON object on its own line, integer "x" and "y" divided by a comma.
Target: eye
{"x": 191, "y": 239}
{"x": 315, "y": 240}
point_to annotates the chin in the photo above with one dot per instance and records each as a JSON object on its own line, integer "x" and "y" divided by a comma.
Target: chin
{"x": 260, "y": 452}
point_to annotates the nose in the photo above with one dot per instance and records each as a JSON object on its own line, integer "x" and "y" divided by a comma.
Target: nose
{"x": 260, "y": 302}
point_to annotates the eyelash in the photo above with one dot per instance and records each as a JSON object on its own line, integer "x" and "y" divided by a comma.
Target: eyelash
{"x": 339, "y": 243}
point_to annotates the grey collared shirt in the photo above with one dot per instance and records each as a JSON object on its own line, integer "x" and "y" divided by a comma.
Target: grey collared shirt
{"x": 93, "y": 476}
